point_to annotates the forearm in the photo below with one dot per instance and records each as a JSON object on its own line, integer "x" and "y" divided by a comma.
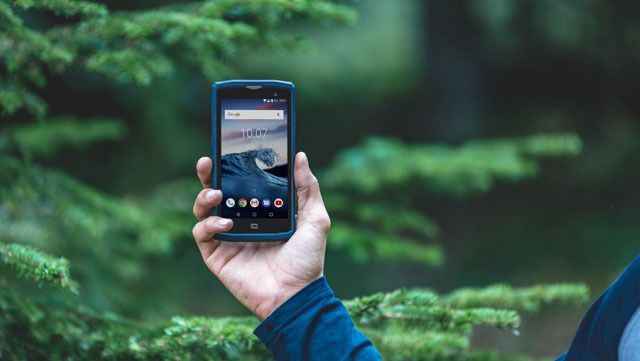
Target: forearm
{"x": 314, "y": 325}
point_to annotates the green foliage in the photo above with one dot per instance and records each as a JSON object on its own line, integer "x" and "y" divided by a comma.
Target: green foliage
{"x": 44, "y": 138}
{"x": 37, "y": 266}
{"x": 108, "y": 239}
{"x": 32, "y": 329}
{"x": 568, "y": 24}
{"x": 366, "y": 243}
{"x": 113, "y": 243}
{"x": 382, "y": 166}
{"x": 139, "y": 46}
{"x": 529, "y": 299}
{"x": 472, "y": 168}
{"x": 414, "y": 324}
{"x": 64, "y": 7}
{"x": 418, "y": 324}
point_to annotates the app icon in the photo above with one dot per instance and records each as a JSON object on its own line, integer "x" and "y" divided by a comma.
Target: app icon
{"x": 242, "y": 202}
{"x": 278, "y": 203}
{"x": 254, "y": 202}
{"x": 266, "y": 203}
{"x": 231, "y": 202}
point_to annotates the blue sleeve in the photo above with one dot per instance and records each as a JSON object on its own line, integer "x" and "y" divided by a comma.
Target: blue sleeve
{"x": 314, "y": 325}
{"x": 599, "y": 334}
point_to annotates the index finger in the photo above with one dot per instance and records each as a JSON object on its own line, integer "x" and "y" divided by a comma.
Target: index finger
{"x": 203, "y": 169}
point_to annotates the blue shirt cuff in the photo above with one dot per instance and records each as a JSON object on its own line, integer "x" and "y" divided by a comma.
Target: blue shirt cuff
{"x": 295, "y": 306}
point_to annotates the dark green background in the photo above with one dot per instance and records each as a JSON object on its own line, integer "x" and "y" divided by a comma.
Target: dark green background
{"x": 420, "y": 71}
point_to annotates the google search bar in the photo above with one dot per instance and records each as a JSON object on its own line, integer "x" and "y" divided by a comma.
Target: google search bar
{"x": 254, "y": 114}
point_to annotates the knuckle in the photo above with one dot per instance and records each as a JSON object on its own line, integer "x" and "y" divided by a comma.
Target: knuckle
{"x": 194, "y": 232}
{"x": 202, "y": 193}
{"x": 324, "y": 222}
{"x": 309, "y": 187}
{"x": 196, "y": 203}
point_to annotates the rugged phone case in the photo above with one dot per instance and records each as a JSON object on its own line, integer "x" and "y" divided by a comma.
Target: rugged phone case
{"x": 254, "y": 237}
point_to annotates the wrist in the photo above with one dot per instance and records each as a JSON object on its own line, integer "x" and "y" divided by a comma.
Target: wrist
{"x": 268, "y": 306}
{"x": 265, "y": 308}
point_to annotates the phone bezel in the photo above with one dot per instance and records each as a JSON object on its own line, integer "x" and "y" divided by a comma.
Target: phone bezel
{"x": 267, "y": 229}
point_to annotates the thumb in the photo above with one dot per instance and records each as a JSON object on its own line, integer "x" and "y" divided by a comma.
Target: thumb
{"x": 307, "y": 186}
{"x": 313, "y": 219}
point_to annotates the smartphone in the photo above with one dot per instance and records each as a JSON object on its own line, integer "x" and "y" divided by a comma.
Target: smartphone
{"x": 253, "y": 125}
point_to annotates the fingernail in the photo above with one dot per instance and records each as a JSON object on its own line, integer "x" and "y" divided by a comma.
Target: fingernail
{"x": 304, "y": 158}
{"x": 224, "y": 222}
{"x": 210, "y": 195}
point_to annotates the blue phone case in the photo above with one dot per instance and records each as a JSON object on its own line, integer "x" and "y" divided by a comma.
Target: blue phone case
{"x": 253, "y": 237}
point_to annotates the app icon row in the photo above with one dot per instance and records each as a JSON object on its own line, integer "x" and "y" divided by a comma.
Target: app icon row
{"x": 254, "y": 203}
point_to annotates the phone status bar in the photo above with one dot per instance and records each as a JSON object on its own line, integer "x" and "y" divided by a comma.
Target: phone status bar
{"x": 274, "y": 100}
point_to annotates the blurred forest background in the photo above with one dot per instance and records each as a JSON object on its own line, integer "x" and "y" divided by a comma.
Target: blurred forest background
{"x": 420, "y": 72}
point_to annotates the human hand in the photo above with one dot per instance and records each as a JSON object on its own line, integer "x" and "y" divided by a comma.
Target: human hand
{"x": 262, "y": 276}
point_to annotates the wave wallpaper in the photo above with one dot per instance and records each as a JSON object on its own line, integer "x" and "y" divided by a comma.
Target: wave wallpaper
{"x": 254, "y": 160}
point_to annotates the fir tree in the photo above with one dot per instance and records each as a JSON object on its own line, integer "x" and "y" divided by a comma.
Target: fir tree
{"x": 44, "y": 212}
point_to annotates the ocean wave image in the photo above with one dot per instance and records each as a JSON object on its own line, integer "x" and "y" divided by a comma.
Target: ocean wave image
{"x": 254, "y": 173}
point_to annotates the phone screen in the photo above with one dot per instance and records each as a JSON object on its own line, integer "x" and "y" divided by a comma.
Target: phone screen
{"x": 254, "y": 132}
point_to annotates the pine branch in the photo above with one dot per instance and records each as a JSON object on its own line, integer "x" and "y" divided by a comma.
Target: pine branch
{"x": 14, "y": 97}
{"x": 138, "y": 65}
{"x": 368, "y": 214}
{"x": 381, "y": 164}
{"x": 418, "y": 345}
{"x": 462, "y": 310}
{"x": 404, "y": 325}
{"x": 37, "y": 266}
{"x": 274, "y": 10}
{"x": 110, "y": 241}
{"x": 230, "y": 337}
{"x": 137, "y": 46}
{"x": 27, "y": 45}
{"x": 23, "y": 55}
{"x": 45, "y": 137}
{"x": 422, "y": 307}
{"x": 64, "y": 7}
{"x": 364, "y": 244}
{"x": 140, "y": 46}
{"x": 453, "y": 320}
{"x": 8, "y": 17}
{"x": 529, "y": 299}
{"x": 36, "y": 330}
